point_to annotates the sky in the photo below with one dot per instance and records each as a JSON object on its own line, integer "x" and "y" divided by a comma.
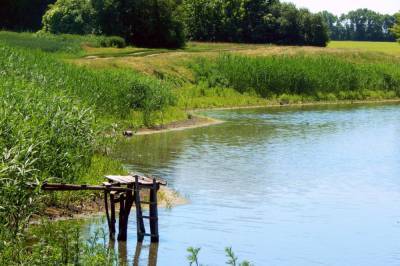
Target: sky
{"x": 339, "y": 7}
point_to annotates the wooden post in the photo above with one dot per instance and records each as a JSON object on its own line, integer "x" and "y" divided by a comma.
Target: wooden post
{"x": 141, "y": 230}
{"x": 122, "y": 233}
{"x": 129, "y": 202}
{"x": 106, "y": 207}
{"x": 112, "y": 219}
{"x": 154, "y": 212}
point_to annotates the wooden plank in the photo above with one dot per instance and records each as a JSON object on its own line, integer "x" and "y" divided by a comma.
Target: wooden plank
{"x": 121, "y": 179}
{"x": 130, "y": 179}
{"x": 70, "y": 187}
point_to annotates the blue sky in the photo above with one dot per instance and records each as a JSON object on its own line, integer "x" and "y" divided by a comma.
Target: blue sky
{"x": 343, "y": 6}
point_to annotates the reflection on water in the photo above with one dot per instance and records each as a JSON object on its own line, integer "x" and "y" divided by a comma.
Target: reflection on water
{"x": 138, "y": 259}
{"x": 298, "y": 186}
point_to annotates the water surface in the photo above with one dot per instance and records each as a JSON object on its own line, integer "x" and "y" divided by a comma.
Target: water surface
{"x": 287, "y": 186}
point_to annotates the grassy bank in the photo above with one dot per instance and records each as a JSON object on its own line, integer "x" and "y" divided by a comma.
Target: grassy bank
{"x": 391, "y": 48}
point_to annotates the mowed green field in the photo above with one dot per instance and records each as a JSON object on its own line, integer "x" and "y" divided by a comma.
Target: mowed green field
{"x": 384, "y": 47}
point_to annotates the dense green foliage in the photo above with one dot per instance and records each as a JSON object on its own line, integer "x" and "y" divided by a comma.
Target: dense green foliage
{"x": 252, "y": 21}
{"x": 360, "y": 25}
{"x": 162, "y": 23}
{"x": 43, "y": 134}
{"x": 144, "y": 23}
{"x": 70, "y": 16}
{"x": 61, "y": 43}
{"x": 396, "y": 28}
{"x": 57, "y": 243}
{"x": 109, "y": 92}
{"x": 319, "y": 77}
{"x": 47, "y": 122}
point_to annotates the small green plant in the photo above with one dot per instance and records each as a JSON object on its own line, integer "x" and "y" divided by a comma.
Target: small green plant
{"x": 233, "y": 260}
{"x": 56, "y": 244}
{"x": 193, "y": 256}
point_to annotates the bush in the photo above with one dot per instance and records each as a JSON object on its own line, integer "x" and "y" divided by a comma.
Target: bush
{"x": 69, "y": 16}
{"x": 113, "y": 41}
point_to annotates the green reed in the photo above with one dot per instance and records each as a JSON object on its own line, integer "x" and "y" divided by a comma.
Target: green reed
{"x": 315, "y": 76}
{"x": 108, "y": 92}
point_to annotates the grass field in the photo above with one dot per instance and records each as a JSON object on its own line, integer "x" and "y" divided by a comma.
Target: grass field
{"x": 392, "y": 48}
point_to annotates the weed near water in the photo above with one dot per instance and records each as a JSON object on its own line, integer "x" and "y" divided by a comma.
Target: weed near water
{"x": 314, "y": 76}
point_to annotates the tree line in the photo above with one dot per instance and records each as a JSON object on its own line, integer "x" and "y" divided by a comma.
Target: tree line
{"x": 170, "y": 23}
{"x": 252, "y": 21}
{"x": 360, "y": 25}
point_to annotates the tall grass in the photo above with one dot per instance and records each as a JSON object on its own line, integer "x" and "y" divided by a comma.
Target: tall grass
{"x": 62, "y": 43}
{"x": 57, "y": 244}
{"x": 49, "y": 111}
{"x": 312, "y": 75}
{"x": 109, "y": 92}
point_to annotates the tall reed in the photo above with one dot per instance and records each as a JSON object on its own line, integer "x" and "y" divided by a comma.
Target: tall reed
{"x": 309, "y": 75}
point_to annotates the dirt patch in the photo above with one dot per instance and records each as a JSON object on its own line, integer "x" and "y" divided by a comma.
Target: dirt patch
{"x": 193, "y": 122}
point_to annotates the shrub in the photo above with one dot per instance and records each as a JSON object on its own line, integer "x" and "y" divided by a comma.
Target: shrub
{"x": 69, "y": 16}
{"x": 113, "y": 41}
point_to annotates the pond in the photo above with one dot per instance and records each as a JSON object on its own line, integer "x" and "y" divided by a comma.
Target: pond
{"x": 284, "y": 186}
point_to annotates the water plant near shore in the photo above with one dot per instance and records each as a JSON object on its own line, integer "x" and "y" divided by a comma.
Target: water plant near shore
{"x": 319, "y": 77}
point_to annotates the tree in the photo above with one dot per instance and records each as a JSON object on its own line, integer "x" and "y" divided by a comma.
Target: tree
{"x": 252, "y": 21}
{"x": 396, "y": 28}
{"x": 70, "y": 16}
{"x": 151, "y": 23}
{"x": 360, "y": 25}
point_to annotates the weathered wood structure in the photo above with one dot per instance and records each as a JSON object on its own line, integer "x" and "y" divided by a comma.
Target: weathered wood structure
{"x": 125, "y": 191}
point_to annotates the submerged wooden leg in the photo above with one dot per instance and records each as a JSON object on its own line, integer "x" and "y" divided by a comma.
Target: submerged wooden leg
{"x": 107, "y": 213}
{"x": 154, "y": 213}
{"x": 141, "y": 230}
{"x": 122, "y": 233}
{"x": 129, "y": 202}
{"x": 112, "y": 218}
{"x": 138, "y": 251}
{"x": 153, "y": 253}
{"x": 122, "y": 253}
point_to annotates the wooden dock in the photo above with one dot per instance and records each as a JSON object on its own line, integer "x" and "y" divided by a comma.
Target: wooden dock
{"x": 125, "y": 191}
